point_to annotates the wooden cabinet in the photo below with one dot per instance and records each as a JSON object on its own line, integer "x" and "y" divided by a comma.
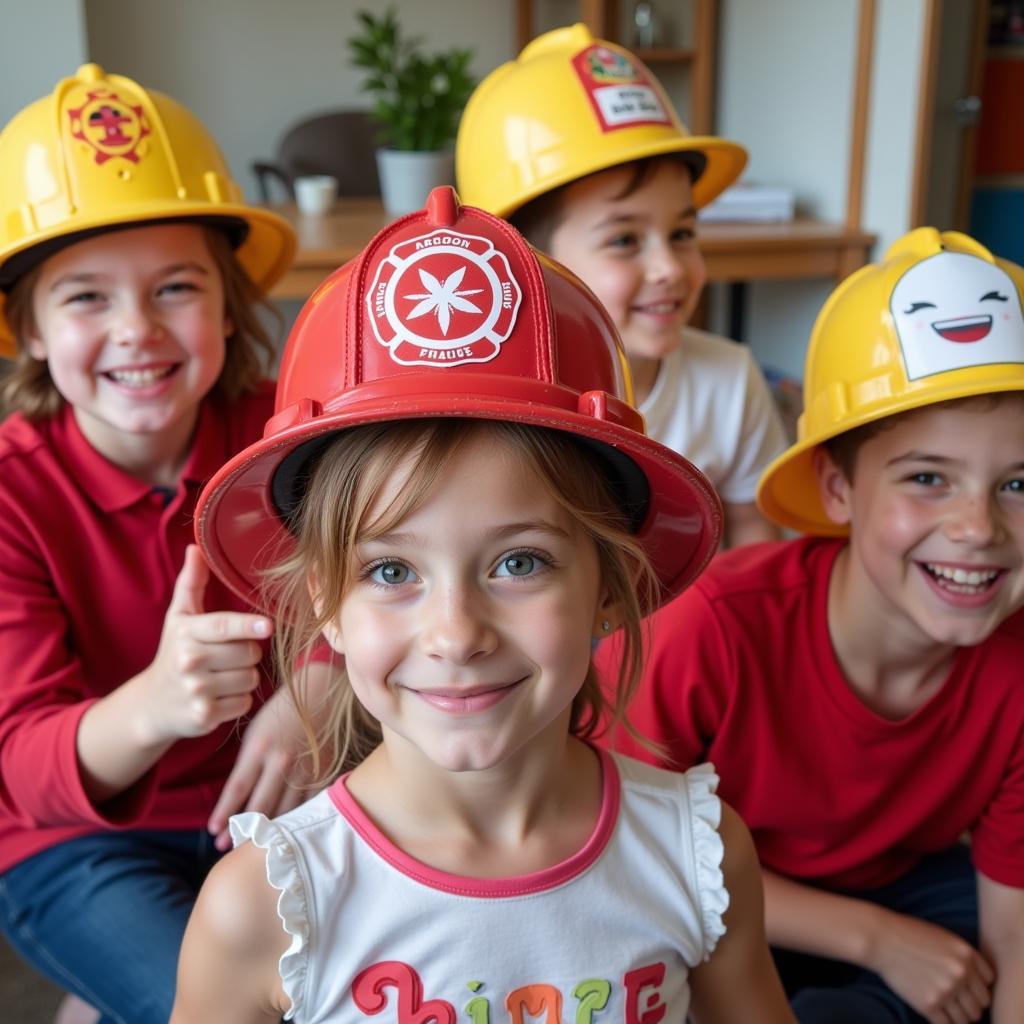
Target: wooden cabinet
{"x": 690, "y": 49}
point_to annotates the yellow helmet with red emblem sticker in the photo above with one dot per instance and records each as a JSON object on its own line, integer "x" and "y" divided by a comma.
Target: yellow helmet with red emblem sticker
{"x": 567, "y": 106}
{"x": 938, "y": 318}
{"x": 100, "y": 152}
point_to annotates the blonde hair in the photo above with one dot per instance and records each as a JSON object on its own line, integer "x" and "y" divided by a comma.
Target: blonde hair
{"x": 334, "y": 515}
{"x": 28, "y": 387}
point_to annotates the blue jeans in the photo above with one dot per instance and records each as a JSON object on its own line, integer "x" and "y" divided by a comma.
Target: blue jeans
{"x": 103, "y": 916}
{"x": 941, "y": 889}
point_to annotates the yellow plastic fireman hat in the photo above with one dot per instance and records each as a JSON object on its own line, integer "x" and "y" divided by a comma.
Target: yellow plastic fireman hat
{"x": 99, "y": 152}
{"x": 938, "y": 318}
{"x": 568, "y": 106}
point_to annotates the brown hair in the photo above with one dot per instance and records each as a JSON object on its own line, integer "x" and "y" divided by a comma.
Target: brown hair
{"x": 844, "y": 448}
{"x": 335, "y": 515}
{"x": 538, "y": 219}
{"x": 27, "y": 386}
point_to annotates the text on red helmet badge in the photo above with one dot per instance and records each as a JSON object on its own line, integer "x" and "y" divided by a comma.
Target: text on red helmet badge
{"x": 109, "y": 125}
{"x": 443, "y": 299}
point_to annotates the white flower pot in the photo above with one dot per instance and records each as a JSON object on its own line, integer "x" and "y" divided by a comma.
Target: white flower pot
{"x": 406, "y": 177}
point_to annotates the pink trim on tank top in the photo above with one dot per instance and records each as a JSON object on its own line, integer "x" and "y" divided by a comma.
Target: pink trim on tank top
{"x": 495, "y": 888}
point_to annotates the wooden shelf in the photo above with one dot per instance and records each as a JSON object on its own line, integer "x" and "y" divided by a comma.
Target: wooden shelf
{"x": 800, "y": 249}
{"x": 666, "y": 54}
{"x": 1008, "y": 51}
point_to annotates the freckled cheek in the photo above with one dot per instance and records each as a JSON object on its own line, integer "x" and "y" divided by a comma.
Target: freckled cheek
{"x": 374, "y": 643}
{"x": 561, "y": 638}
{"x": 900, "y": 526}
{"x": 613, "y": 289}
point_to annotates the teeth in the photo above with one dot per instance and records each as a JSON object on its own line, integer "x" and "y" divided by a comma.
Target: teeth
{"x": 139, "y": 378}
{"x": 660, "y": 307}
{"x": 966, "y": 577}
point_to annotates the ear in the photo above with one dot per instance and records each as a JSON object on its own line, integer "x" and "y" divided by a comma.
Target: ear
{"x": 229, "y": 326}
{"x": 331, "y": 631}
{"x": 607, "y": 618}
{"x": 35, "y": 346}
{"x": 833, "y": 487}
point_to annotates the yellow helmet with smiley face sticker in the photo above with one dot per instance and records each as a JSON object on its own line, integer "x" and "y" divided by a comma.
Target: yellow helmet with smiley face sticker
{"x": 938, "y": 318}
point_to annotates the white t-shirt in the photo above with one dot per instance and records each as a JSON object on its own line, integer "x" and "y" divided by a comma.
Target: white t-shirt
{"x": 710, "y": 403}
{"x": 616, "y": 927}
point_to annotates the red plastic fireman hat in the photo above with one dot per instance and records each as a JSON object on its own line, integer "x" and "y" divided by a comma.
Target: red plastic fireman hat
{"x": 449, "y": 312}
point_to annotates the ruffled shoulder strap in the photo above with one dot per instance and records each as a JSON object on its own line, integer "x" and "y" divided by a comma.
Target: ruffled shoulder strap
{"x": 285, "y": 874}
{"x": 708, "y": 849}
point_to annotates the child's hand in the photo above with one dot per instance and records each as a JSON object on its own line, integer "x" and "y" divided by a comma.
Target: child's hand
{"x": 939, "y": 974}
{"x": 205, "y": 669}
{"x": 265, "y": 776}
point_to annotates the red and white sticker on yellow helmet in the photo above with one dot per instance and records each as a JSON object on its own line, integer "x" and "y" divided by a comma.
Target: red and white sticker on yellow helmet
{"x": 619, "y": 90}
{"x": 952, "y": 311}
{"x": 109, "y": 125}
{"x": 443, "y": 299}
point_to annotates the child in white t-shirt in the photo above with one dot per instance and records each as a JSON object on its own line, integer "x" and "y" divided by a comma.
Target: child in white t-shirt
{"x": 578, "y": 146}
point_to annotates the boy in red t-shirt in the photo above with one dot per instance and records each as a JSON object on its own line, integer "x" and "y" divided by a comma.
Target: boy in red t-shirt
{"x": 859, "y": 690}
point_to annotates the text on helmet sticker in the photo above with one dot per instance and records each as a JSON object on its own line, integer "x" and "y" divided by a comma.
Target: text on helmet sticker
{"x": 443, "y": 299}
{"x": 619, "y": 91}
{"x": 952, "y": 311}
{"x": 109, "y": 126}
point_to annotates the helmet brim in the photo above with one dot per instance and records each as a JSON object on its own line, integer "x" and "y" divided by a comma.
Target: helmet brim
{"x": 788, "y": 490}
{"x": 241, "y": 531}
{"x": 724, "y": 163}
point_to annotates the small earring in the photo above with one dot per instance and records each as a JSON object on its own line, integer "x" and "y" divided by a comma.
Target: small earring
{"x": 605, "y": 625}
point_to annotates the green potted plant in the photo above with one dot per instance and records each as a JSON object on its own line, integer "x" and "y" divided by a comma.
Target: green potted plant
{"x": 418, "y": 99}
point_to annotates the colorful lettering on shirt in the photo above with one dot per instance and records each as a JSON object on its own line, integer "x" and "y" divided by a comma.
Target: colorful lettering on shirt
{"x": 540, "y": 1002}
{"x": 636, "y": 982}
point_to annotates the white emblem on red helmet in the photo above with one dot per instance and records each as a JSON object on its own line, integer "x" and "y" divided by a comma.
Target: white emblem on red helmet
{"x": 443, "y": 299}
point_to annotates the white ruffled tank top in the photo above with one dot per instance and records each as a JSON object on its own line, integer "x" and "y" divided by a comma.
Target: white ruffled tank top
{"x": 608, "y": 935}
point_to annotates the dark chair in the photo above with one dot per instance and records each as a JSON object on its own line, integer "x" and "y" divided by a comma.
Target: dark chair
{"x": 341, "y": 143}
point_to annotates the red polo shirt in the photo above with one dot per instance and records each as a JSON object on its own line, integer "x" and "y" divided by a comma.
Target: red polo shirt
{"x": 88, "y": 560}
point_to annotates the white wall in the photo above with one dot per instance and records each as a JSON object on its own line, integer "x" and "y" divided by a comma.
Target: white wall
{"x": 41, "y": 42}
{"x": 892, "y": 119}
{"x": 785, "y": 86}
{"x": 250, "y": 68}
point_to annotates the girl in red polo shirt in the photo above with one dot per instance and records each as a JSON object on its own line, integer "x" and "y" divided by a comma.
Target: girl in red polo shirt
{"x": 129, "y": 272}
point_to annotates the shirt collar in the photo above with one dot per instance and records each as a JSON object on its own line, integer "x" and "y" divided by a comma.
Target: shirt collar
{"x": 112, "y": 488}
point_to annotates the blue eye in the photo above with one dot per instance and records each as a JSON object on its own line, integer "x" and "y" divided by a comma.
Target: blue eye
{"x": 519, "y": 564}
{"x": 1015, "y": 485}
{"x": 390, "y": 573}
{"x": 178, "y": 287}
{"x": 83, "y": 297}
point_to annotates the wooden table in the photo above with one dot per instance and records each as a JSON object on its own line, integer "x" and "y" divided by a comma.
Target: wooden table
{"x": 734, "y": 253}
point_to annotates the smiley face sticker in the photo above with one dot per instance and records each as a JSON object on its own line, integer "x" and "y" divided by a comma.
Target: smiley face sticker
{"x": 953, "y": 311}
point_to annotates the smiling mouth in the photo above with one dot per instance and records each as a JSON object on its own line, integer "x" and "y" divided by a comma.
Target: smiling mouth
{"x": 140, "y": 378}
{"x": 659, "y": 308}
{"x": 466, "y": 701}
{"x": 964, "y": 328}
{"x": 962, "y": 581}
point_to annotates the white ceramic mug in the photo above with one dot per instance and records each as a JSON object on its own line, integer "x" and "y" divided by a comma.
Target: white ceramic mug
{"x": 315, "y": 193}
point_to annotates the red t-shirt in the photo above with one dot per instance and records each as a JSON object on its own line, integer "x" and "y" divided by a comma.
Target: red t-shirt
{"x": 741, "y": 672}
{"x": 88, "y": 560}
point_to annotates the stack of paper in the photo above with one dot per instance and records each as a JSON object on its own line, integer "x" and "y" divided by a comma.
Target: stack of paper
{"x": 749, "y": 202}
